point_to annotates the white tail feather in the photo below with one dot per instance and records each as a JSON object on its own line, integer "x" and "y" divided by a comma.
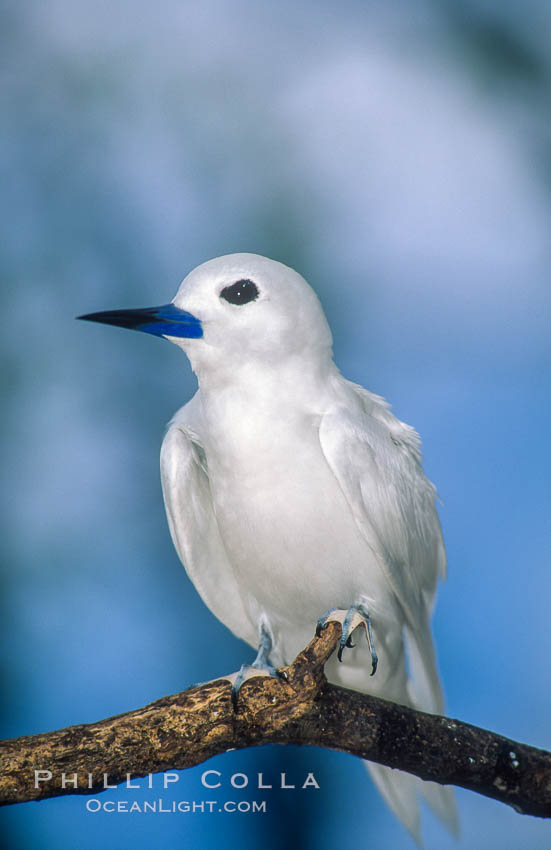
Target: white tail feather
{"x": 400, "y": 790}
{"x": 401, "y": 793}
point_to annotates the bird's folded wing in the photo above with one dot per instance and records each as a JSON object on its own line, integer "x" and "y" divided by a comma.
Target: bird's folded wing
{"x": 194, "y": 530}
{"x": 375, "y": 458}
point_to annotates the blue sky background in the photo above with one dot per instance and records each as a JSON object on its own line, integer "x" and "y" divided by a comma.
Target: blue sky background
{"x": 398, "y": 155}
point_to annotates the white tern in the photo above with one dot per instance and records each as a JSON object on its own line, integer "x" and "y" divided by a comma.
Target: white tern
{"x": 291, "y": 491}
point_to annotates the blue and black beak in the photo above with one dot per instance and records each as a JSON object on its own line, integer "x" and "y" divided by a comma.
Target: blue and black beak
{"x": 167, "y": 320}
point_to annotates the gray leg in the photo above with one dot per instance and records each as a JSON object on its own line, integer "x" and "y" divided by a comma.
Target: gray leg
{"x": 261, "y": 663}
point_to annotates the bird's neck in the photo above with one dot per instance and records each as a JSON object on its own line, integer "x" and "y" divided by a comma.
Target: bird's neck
{"x": 263, "y": 397}
{"x": 306, "y": 372}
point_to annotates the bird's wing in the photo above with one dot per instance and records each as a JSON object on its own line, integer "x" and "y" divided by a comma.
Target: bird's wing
{"x": 376, "y": 460}
{"x": 192, "y": 522}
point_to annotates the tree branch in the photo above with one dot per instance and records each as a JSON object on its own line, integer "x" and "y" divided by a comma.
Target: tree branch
{"x": 183, "y": 730}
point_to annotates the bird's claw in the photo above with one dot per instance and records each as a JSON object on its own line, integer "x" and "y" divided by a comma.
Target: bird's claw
{"x": 356, "y": 615}
{"x": 347, "y": 645}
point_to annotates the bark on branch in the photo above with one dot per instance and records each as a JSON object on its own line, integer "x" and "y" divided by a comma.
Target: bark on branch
{"x": 186, "y": 729}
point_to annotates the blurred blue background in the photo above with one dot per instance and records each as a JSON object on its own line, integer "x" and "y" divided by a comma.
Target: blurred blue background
{"x": 399, "y": 156}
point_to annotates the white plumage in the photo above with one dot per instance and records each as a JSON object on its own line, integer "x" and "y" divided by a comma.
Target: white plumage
{"x": 290, "y": 490}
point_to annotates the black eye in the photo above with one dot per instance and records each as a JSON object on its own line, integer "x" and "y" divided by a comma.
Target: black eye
{"x": 240, "y": 292}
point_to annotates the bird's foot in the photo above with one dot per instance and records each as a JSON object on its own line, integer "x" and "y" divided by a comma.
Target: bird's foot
{"x": 357, "y": 615}
{"x": 261, "y": 666}
{"x": 249, "y": 671}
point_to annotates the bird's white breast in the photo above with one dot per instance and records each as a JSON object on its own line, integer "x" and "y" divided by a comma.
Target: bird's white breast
{"x": 283, "y": 517}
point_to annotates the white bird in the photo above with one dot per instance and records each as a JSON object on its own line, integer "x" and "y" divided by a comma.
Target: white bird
{"x": 290, "y": 491}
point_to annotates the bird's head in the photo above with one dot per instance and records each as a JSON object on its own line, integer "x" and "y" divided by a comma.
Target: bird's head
{"x": 240, "y": 308}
